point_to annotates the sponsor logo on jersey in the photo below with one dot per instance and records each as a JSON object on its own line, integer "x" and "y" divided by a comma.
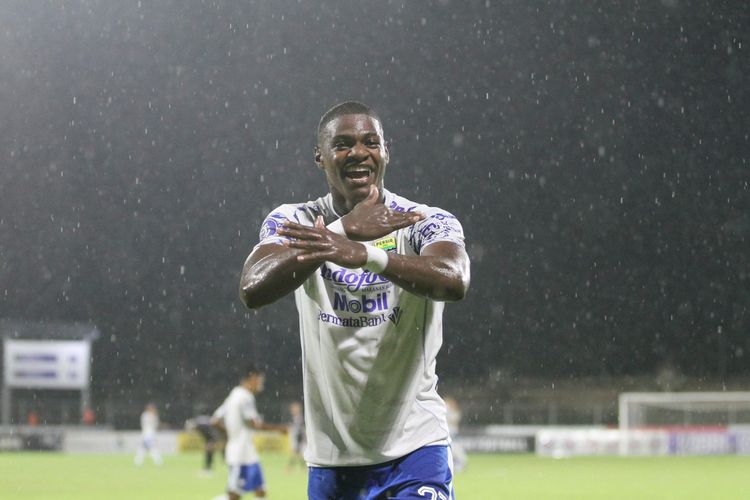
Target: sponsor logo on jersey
{"x": 351, "y": 279}
{"x": 364, "y": 303}
{"x": 388, "y": 244}
{"x": 362, "y": 321}
{"x": 355, "y": 322}
{"x": 395, "y": 315}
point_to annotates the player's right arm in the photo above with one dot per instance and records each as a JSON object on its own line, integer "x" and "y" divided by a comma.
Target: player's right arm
{"x": 270, "y": 272}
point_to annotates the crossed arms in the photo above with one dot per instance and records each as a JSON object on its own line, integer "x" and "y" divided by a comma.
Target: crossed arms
{"x": 440, "y": 272}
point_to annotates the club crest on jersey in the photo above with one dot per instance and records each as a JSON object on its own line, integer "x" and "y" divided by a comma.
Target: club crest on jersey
{"x": 388, "y": 244}
{"x": 268, "y": 229}
{"x": 270, "y": 225}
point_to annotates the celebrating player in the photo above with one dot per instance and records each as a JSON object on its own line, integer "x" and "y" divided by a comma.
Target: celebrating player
{"x": 370, "y": 271}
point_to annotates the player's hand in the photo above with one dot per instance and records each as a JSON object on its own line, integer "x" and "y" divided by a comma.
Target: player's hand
{"x": 319, "y": 244}
{"x": 370, "y": 220}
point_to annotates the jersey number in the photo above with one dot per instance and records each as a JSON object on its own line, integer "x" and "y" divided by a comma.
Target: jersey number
{"x": 432, "y": 493}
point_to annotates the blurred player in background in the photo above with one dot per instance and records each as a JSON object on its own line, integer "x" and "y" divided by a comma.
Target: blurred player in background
{"x": 149, "y": 426}
{"x": 239, "y": 417}
{"x": 370, "y": 271}
{"x": 206, "y": 426}
{"x": 297, "y": 437}
{"x": 460, "y": 458}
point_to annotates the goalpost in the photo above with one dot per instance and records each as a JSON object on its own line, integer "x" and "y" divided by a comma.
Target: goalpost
{"x": 689, "y": 422}
{"x": 683, "y": 409}
{"x": 659, "y": 424}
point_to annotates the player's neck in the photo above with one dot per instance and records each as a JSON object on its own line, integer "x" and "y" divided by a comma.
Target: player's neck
{"x": 340, "y": 205}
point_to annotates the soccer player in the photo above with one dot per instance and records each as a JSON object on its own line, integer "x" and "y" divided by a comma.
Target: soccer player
{"x": 460, "y": 458}
{"x": 239, "y": 417}
{"x": 205, "y": 425}
{"x": 149, "y": 426}
{"x": 297, "y": 438}
{"x": 370, "y": 271}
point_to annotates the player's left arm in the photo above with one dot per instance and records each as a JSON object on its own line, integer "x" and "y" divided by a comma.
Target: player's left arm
{"x": 259, "y": 425}
{"x": 441, "y": 272}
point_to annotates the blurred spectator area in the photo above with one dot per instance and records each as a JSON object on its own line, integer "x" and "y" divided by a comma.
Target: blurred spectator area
{"x": 516, "y": 401}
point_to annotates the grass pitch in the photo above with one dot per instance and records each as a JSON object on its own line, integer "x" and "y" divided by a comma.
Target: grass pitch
{"x": 48, "y": 476}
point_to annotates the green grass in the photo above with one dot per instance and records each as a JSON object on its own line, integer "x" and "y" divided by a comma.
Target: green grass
{"x": 529, "y": 477}
{"x": 47, "y": 476}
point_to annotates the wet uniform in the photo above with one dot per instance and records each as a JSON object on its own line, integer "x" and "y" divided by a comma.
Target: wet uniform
{"x": 369, "y": 349}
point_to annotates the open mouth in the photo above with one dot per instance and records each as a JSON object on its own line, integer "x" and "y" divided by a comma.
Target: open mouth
{"x": 360, "y": 175}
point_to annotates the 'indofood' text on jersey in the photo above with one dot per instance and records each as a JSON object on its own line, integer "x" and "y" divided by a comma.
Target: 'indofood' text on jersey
{"x": 369, "y": 347}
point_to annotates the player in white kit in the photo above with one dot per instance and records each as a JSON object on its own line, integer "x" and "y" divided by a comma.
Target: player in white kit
{"x": 370, "y": 271}
{"x": 238, "y": 416}
{"x": 149, "y": 426}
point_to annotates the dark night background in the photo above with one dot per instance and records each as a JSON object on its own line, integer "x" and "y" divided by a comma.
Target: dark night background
{"x": 597, "y": 154}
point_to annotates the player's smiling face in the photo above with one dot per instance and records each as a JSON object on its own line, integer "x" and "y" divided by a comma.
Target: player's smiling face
{"x": 353, "y": 155}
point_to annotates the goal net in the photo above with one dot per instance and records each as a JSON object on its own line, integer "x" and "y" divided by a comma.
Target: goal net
{"x": 685, "y": 422}
{"x": 638, "y": 410}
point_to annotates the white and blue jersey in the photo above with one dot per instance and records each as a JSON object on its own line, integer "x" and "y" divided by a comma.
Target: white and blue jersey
{"x": 369, "y": 347}
{"x": 239, "y": 408}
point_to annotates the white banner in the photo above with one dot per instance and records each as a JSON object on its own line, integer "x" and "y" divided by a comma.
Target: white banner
{"x": 47, "y": 364}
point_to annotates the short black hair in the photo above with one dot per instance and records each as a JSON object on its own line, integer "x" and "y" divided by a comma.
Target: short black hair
{"x": 345, "y": 108}
{"x": 250, "y": 370}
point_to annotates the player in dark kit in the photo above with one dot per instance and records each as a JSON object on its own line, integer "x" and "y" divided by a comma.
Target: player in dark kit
{"x": 205, "y": 425}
